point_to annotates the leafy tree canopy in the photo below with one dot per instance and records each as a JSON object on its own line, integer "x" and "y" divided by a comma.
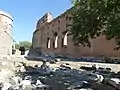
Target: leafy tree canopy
{"x": 25, "y": 44}
{"x": 93, "y": 18}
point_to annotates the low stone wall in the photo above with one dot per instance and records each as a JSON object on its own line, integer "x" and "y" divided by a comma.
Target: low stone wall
{"x": 114, "y": 67}
{"x": 77, "y": 65}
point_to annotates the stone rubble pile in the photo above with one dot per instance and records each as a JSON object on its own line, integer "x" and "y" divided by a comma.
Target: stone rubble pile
{"x": 11, "y": 80}
{"x": 64, "y": 77}
{"x": 24, "y": 77}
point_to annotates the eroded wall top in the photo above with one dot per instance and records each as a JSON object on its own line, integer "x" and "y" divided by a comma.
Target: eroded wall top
{"x": 6, "y": 21}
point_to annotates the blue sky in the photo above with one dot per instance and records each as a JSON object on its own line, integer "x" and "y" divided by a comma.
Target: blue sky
{"x": 27, "y": 12}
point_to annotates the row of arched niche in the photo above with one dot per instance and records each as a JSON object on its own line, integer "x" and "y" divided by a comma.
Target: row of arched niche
{"x": 64, "y": 40}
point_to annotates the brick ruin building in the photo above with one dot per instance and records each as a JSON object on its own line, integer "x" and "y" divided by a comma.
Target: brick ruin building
{"x": 51, "y": 36}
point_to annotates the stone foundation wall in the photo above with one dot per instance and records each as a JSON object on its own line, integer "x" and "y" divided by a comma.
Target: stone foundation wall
{"x": 114, "y": 67}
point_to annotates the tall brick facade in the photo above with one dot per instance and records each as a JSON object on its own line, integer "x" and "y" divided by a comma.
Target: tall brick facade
{"x": 53, "y": 37}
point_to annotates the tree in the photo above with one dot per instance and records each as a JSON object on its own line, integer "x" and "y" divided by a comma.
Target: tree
{"x": 25, "y": 44}
{"x": 94, "y": 18}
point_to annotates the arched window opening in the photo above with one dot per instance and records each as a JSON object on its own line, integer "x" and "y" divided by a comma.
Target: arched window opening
{"x": 65, "y": 39}
{"x": 55, "y": 42}
{"x": 55, "y": 34}
{"x": 48, "y": 42}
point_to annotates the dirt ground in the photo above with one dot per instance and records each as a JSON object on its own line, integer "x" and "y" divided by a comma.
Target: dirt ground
{"x": 52, "y": 81}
